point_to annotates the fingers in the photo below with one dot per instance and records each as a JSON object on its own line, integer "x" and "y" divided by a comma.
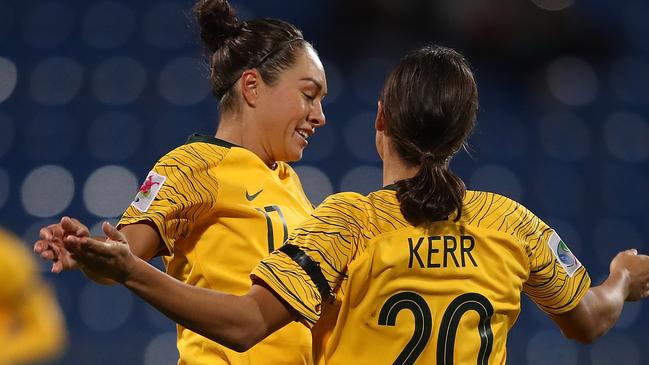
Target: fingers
{"x": 112, "y": 232}
{"x": 74, "y": 227}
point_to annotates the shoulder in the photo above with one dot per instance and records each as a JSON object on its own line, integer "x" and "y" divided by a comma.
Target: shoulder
{"x": 497, "y": 212}
{"x": 195, "y": 154}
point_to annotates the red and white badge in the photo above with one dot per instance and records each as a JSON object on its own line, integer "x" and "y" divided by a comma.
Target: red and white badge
{"x": 148, "y": 191}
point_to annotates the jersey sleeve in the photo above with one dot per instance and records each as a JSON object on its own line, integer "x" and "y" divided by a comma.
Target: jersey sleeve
{"x": 173, "y": 195}
{"x": 557, "y": 281}
{"x": 314, "y": 260}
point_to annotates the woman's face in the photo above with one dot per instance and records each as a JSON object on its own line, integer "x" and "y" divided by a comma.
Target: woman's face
{"x": 291, "y": 109}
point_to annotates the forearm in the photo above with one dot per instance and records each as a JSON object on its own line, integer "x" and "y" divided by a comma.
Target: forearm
{"x": 597, "y": 312}
{"x": 233, "y": 321}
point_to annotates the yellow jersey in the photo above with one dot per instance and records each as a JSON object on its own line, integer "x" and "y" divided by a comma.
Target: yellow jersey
{"x": 219, "y": 210}
{"x": 31, "y": 325}
{"x": 381, "y": 291}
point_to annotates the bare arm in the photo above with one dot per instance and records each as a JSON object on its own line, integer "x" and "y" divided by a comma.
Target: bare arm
{"x": 237, "y": 322}
{"x": 601, "y": 307}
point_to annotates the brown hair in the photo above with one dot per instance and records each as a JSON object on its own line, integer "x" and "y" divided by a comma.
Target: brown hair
{"x": 269, "y": 45}
{"x": 430, "y": 101}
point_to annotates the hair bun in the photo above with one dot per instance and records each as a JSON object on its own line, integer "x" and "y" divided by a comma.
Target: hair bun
{"x": 218, "y": 22}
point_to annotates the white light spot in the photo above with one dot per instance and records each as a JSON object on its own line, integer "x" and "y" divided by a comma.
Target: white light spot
{"x": 166, "y": 25}
{"x": 109, "y": 190}
{"x": 553, "y": 5}
{"x": 105, "y": 308}
{"x": 162, "y": 350}
{"x": 56, "y": 81}
{"x": 615, "y": 348}
{"x": 115, "y": 136}
{"x": 563, "y": 352}
{"x": 565, "y": 137}
{"x": 572, "y": 81}
{"x": 184, "y": 81}
{"x": 315, "y": 182}
{"x": 8, "y": 78}
{"x": 627, "y": 136}
{"x": 119, "y": 81}
{"x": 7, "y": 135}
{"x": 108, "y": 25}
{"x": 497, "y": 179}
{"x": 47, "y": 191}
{"x": 362, "y": 179}
{"x": 360, "y": 137}
{"x": 5, "y": 187}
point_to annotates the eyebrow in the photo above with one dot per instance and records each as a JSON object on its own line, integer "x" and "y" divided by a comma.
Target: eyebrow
{"x": 319, "y": 85}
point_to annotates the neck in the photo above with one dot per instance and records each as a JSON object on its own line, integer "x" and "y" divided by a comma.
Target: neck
{"x": 233, "y": 130}
{"x": 394, "y": 169}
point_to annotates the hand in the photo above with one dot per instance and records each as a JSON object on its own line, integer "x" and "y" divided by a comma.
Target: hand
{"x": 50, "y": 245}
{"x": 636, "y": 268}
{"x": 111, "y": 259}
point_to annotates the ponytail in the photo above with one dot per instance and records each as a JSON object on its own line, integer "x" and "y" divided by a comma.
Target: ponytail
{"x": 434, "y": 194}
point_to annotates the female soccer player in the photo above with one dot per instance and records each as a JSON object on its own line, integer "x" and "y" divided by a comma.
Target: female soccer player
{"x": 234, "y": 187}
{"x": 419, "y": 270}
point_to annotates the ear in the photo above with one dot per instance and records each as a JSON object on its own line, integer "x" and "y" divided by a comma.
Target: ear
{"x": 379, "y": 123}
{"x": 250, "y": 82}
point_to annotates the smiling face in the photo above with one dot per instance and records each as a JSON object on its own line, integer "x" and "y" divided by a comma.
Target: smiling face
{"x": 290, "y": 110}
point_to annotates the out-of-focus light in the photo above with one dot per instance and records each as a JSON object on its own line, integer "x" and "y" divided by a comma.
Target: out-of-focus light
{"x": 627, "y": 136}
{"x": 563, "y": 352}
{"x": 184, "y": 81}
{"x": 115, "y": 136}
{"x": 108, "y": 25}
{"x": 109, "y": 190}
{"x": 335, "y": 82}
{"x": 553, "y": 5}
{"x": 315, "y": 182}
{"x": 362, "y": 179}
{"x": 497, "y": 179}
{"x": 611, "y": 236}
{"x": 161, "y": 350}
{"x": 119, "y": 81}
{"x": 7, "y": 135}
{"x": 615, "y": 348}
{"x": 47, "y": 191}
{"x": 47, "y": 24}
{"x": 56, "y": 81}
{"x": 5, "y": 187}
{"x": 166, "y": 25}
{"x": 572, "y": 81}
{"x": 97, "y": 228}
{"x": 105, "y": 308}
{"x": 565, "y": 137}
{"x": 368, "y": 77}
{"x": 8, "y": 78}
{"x": 630, "y": 80}
{"x": 359, "y": 137}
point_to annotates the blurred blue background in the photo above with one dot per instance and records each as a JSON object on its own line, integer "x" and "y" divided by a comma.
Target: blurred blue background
{"x": 93, "y": 92}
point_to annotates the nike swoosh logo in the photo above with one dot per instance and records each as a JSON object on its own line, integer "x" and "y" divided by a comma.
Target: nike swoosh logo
{"x": 253, "y": 196}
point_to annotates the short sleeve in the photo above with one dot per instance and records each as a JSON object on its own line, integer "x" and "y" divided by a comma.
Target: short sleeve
{"x": 557, "y": 281}
{"x": 314, "y": 260}
{"x": 172, "y": 195}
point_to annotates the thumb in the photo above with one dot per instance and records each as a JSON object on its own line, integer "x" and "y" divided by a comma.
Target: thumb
{"x": 632, "y": 251}
{"x": 113, "y": 233}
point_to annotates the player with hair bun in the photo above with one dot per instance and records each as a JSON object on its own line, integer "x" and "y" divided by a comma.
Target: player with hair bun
{"x": 420, "y": 271}
{"x": 216, "y": 205}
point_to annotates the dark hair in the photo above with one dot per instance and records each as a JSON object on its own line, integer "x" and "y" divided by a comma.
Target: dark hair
{"x": 430, "y": 101}
{"x": 269, "y": 45}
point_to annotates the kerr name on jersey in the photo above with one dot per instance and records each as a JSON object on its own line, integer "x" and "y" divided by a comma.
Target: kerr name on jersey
{"x": 441, "y": 251}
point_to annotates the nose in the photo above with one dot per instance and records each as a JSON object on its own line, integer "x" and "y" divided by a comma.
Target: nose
{"x": 317, "y": 117}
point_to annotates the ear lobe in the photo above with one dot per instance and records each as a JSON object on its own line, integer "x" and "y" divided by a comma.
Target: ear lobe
{"x": 250, "y": 87}
{"x": 379, "y": 123}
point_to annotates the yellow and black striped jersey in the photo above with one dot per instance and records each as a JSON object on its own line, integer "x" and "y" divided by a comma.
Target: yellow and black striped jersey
{"x": 380, "y": 290}
{"x": 219, "y": 210}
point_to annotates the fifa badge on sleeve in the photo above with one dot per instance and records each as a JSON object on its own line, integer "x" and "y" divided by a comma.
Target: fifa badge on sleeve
{"x": 566, "y": 258}
{"x": 148, "y": 191}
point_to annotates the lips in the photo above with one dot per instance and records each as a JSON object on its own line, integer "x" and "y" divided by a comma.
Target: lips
{"x": 304, "y": 133}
